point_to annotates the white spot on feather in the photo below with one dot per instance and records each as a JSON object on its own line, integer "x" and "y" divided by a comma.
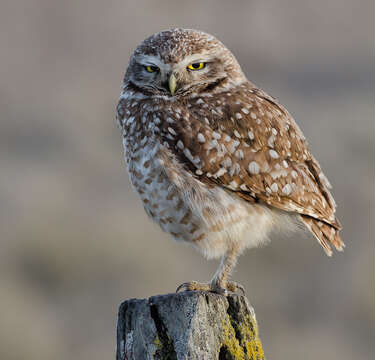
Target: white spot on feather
{"x": 240, "y": 154}
{"x": 180, "y": 144}
{"x": 271, "y": 141}
{"x": 201, "y": 138}
{"x": 172, "y": 131}
{"x": 274, "y": 154}
{"x": 287, "y": 189}
{"x": 254, "y": 167}
{"x": 237, "y": 134}
{"x": 233, "y": 146}
{"x": 233, "y": 184}
{"x": 220, "y": 172}
{"x": 216, "y": 135}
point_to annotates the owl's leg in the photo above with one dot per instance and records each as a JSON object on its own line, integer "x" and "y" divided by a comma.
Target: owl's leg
{"x": 219, "y": 283}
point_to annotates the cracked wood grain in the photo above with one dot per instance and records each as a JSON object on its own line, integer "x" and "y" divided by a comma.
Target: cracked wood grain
{"x": 189, "y": 325}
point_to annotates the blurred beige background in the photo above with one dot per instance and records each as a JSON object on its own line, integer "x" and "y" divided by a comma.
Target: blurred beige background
{"x": 75, "y": 241}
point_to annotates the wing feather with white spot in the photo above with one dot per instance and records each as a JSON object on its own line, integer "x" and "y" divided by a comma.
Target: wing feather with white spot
{"x": 252, "y": 146}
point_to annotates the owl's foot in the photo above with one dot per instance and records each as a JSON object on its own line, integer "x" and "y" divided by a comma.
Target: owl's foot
{"x": 194, "y": 286}
{"x": 229, "y": 287}
{"x": 235, "y": 287}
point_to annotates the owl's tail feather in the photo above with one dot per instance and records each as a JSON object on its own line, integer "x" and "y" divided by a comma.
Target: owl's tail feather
{"x": 326, "y": 234}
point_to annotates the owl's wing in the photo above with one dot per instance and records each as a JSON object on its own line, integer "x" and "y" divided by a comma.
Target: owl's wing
{"x": 253, "y": 147}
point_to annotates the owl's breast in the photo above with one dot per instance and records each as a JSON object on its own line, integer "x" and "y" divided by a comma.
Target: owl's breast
{"x": 160, "y": 182}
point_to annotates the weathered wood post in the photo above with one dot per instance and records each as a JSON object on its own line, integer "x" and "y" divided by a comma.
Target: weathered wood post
{"x": 188, "y": 325}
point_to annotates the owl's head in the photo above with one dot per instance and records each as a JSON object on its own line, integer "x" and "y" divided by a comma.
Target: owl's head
{"x": 181, "y": 61}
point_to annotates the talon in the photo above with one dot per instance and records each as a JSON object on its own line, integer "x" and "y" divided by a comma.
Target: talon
{"x": 234, "y": 287}
{"x": 180, "y": 287}
{"x": 218, "y": 288}
{"x": 194, "y": 286}
{"x": 230, "y": 287}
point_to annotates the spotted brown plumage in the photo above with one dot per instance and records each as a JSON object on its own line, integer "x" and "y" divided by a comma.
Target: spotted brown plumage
{"x": 216, "y": 161}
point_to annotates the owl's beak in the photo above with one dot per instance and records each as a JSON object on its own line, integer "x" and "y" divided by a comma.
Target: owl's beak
{"x": 172, "y": 83}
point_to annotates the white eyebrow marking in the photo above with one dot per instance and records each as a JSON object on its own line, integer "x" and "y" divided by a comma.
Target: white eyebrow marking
{"x": 201, "y": 57}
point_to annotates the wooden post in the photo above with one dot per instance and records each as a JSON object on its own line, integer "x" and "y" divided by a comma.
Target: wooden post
{"x": 189, "y": 325}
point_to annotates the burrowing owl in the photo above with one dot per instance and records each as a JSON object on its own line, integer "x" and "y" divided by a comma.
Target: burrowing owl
{"x": 216, "y": 161}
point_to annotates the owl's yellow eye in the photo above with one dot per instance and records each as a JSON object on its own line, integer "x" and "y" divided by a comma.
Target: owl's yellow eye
{"x": 196, "y": 66}
{"x": 151, "y": 69}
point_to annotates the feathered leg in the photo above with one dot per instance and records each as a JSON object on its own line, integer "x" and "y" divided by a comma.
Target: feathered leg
{"x": 219, "y": 283}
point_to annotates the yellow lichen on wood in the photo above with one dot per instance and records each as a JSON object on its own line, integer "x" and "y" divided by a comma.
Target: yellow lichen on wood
{"x": 240, "y": 339}
{"x": 157, "y": 343}
{"x": 230, "y": 343}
